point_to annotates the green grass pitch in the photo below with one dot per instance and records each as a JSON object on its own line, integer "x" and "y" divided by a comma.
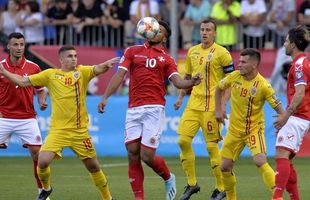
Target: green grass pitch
{"x": 70, "y": 180}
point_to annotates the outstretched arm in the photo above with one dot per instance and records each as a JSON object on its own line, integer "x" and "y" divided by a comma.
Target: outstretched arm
{"x": 180, "y": 83}
{"x": 114, "y": 83}
{"x": 103, "y": 67}
{"x": 21, "y": 81}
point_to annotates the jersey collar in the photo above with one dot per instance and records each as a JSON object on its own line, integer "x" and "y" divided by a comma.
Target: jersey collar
{"x": 159, "y": 48}
{"x": 19, "y": 65}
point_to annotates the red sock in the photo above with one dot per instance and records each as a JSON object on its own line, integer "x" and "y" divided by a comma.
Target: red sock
{"x": 291, "y": 185}
{"x": 282, "y": 175}
{"x": 35, "y": 164}
{"x": 136, "y": 177}
{"x": 159, "y": 166}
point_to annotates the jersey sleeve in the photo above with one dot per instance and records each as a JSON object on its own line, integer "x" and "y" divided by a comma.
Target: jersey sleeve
{"x": 271, "y": 96}
{"x": 38, "y": 70}
{"x": 300, "y": 76}
{"x": 227, "y": 62}
{"x": 227, "y": 81}
{"x": 126, "y": 60}
{"x": 40, "y": 79}
{"x": 171, "y": 67}
{"x": 88, "y": 72}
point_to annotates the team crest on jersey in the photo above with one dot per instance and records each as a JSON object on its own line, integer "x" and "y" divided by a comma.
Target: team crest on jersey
{"x": 38, "y": 138}
{"x": 209, "y": 56}
{"x": 76, "y": 75}
{"x": 253, "y": 91}
{"x": 280, "y": 139}
{"x": 153, "y": 140}
{"x": 298, "y": 74}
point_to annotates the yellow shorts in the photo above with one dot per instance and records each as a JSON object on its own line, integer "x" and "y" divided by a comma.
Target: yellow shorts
{"x": 234, "y": 145}
{"x": 192, "y": 120}
{"x": 77, "y": 139}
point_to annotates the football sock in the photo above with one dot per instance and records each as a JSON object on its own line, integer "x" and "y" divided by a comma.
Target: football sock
{"x": 282, "y": 176}
{"x": 291, "y": 185}
{"x": 44, "y": 176}
{"x": 229, "y": 180}
{"x": 215, "y": 160}
{"x": 35, "y": 165}
{"x": 160, "y": 167}
{"x": 100, "y": 181}
{"x": 268, "y": 176}
{"x": 136, "y": 178}
{"x": 187, "y": 158}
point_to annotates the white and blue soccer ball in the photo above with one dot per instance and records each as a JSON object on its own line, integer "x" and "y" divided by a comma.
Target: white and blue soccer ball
{"x": 148, "y": 27}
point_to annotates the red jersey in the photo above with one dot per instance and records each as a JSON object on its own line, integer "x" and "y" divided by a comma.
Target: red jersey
{"x": 17, "y": 102}
{"x": 299, "y": 74}
{"x": 148, "y": 67}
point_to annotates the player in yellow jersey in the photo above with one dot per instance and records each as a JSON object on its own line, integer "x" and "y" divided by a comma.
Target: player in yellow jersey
{"x": 213, "y": 62}
{"x": 68, "y": 128}
{"x": 249, "y": 91}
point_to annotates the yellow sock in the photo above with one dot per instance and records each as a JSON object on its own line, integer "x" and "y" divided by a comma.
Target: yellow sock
{"x": 268, "y": 176}
{"x": 100, "y": 181}
{"x": 229, "y": 180}
{"x": 215, "y": 160}
{"x": 44, "y": 176}
{"x": 187, "y": 157}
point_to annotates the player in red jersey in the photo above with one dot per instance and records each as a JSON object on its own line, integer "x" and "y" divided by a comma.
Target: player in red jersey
{"x": 294, "y": 123}
{"x": 148, "y": 66}
{"x": 17, "y": 114}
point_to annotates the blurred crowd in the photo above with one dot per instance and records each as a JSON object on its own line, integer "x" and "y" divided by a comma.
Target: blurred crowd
{"x": 111, "y": 23}
{"x": 246, "y": 23}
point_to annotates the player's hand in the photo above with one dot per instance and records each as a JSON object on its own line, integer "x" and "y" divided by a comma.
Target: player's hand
{"x": 101, "y": 105}
{"x": 43, "y": 106}
{"x": 196, "y": 79}
{"x": 220, "y": 116}
{"x": 281, "y": 120}
{"x": 177, "y": 104}
{"x": 110, "y": 63}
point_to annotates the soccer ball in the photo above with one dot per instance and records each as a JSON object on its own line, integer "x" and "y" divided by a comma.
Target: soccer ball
{"x": 148, "y": 27}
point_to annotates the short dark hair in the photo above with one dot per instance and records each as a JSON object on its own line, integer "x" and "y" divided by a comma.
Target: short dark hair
{"x": 209, "y": 21}
{"x": 61, "y": 1}
{"x": 299, "y": 35}
{"x": 166, "y": 26}
{"x": 34, "y": 6}
{"x": 253, "y": 53}
{"x": 66, "y": 48}
{"x": 16, "y": 35}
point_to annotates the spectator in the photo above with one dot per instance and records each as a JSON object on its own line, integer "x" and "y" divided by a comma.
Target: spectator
{"x": 87, "y": 18}
{"x": 31, "y": 23}
{"x": 253, "y": 14}
{"x": 139, "y": 9}
{"x": 304, "y": 13}
{"x": 226, "y": 14}
{"x": 196, "y": 12}
{"x": 60, "y": 16}
{"x": 8, "y": 20}
{"x": 280, "y": 19}
{"x": 114, "y": 17}
{"x": 74, "y": 4}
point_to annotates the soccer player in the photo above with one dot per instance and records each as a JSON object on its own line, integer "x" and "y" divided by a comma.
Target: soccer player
{"x": 249, "y": 91}
{"x": 293, "y": 124}
{"x": 148, "y": 65}
{"x": 68, "y": 127}
{"x": 17, "y": 114}
{"x": 213, "y": 62}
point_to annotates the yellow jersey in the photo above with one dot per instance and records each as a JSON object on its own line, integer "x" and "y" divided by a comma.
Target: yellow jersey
{"x": 212, "y": 63}
{"x": 247, "y": 101}
{"x": 68, "y": 95}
